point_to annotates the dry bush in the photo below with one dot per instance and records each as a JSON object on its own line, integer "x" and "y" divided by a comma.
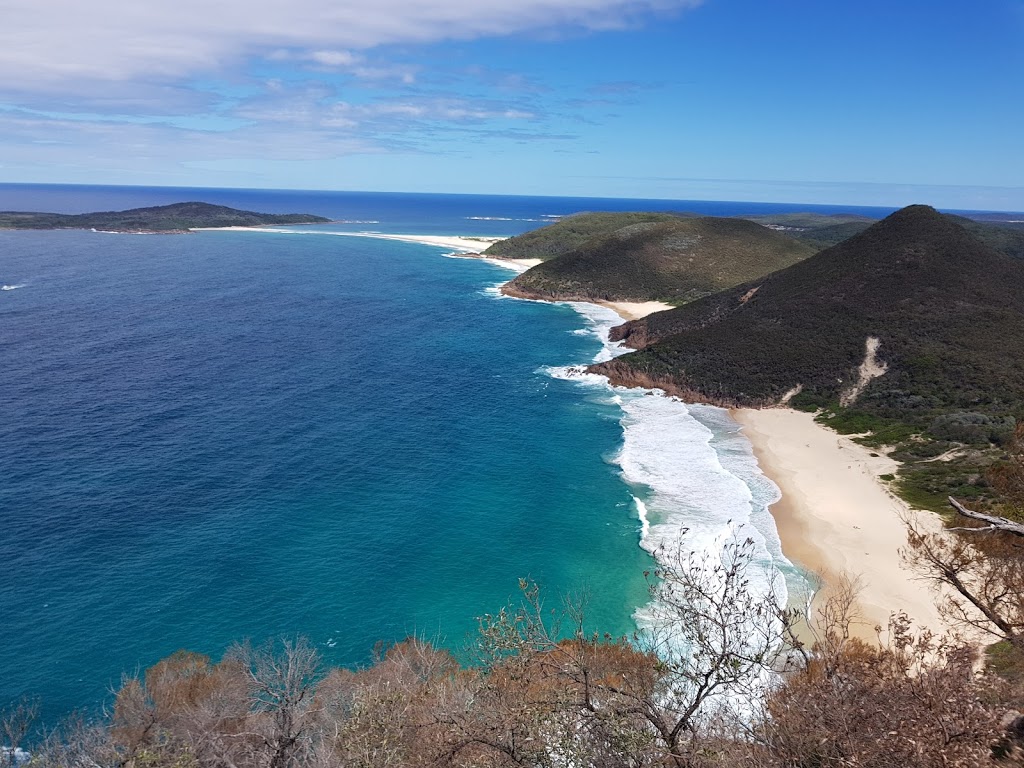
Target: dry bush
{"x": 914, "y": 703}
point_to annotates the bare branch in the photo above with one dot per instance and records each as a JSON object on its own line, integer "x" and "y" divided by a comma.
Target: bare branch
{"x": 995, "y": 523}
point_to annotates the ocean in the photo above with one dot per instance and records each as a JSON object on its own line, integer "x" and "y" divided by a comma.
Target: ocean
{"x": 223, "y": 436}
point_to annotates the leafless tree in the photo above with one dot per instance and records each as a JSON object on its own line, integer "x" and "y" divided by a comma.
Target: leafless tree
{"x": 717, "y": 639}
{"x": 282, "y": 678}
{"x": 15, "y": 723}
{"x": 980, "y": 589}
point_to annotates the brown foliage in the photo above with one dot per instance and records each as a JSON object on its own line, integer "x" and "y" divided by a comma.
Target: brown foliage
{"x": 694, "y": 692}
{"x": 913, "y": 702}
{"x": 1007, "y": 477}
{"x": 984, "y": 586}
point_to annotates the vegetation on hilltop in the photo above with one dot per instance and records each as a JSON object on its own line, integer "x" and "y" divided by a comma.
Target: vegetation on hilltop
{"x": 568, "y": 233}
{"x": 1004, "y": 237}
{"x": 178, "y": 217}
{"x": 945, "y": 311}
{"x": 674, "y": 261}
{"x": 825, "y": 230}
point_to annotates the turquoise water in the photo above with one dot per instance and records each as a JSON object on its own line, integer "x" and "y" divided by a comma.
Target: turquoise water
{"x": 227, "y": 435}
{"x": 234, "y": 435}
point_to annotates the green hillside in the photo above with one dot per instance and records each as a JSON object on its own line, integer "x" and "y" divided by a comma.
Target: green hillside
{"x": 568, "y": 233}
{"x": 946, "y": 312}
{"x": 177, "y": 217}
{"x": 676, "y": 261}
{"x": 1007, "y": 237}
{"x": 825, "y": 230}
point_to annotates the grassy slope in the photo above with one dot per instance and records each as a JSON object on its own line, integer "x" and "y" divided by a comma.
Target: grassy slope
{"x": 676, "y": 261}
{"x": 949, "y": 312}
{"x": 163, "y": 218}
{"x": 568, "y": 233}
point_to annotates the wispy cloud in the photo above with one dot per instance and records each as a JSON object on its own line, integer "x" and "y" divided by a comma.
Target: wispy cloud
{"x": 112, "y": 40}
{"x": 130, "y": 88}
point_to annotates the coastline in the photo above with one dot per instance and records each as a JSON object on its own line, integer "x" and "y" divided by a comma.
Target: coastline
{"x": 836, "y": 517}
{"x": 634, "y": 310}
{"x": 465, "y": 246}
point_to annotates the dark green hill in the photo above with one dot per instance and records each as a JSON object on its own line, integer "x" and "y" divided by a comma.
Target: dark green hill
{"x": 944, "y": 306}
{"x": 945, "y": 310}
{"x": 178, "y": 217}
{"x": 568, "y": 233}
{"x": 678, "y": 260}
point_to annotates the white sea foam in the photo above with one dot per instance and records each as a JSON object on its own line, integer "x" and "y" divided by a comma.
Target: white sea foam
{"x": 505, "y": 264}
{"x": 496, "y": 218}
{"x": 695, "y": 481}
{"x": 119, "y": 232}
{"x": 692, "y": 499}
{"x": 645, "y": 523}
{"x": 12, "y": 287}
{"x": 18, "y": 756}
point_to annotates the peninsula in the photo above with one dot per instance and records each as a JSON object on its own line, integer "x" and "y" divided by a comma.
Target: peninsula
{"x": 163, "y": 219}
{"x": 671, "y": 259}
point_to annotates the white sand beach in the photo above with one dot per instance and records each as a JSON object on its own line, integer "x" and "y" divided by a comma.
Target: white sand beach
{"x": 634, "y": 310}
{"x": 836, "y": 516}
{"x": 468, "y": 245}
{"x": 456, "y": 243}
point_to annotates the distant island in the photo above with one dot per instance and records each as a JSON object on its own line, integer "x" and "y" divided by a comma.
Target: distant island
{"x": 162, "y": 219}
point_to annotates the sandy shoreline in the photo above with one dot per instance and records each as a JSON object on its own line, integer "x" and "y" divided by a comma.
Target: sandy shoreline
{"x": 836, "y": 516}
{"x": 471, "y": 246}
{"x": 634, "y": 310}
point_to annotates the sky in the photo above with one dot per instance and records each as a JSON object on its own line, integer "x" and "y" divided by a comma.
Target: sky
{"x": 826, "y": 101}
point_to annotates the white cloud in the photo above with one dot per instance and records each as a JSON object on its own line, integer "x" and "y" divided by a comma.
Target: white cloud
{"x": 334, "y": 58}
{"x": 59, "y": 40}
{"x": 316, "y": 106}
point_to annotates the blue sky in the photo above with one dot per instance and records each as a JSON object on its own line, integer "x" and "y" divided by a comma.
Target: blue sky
{"x": 821, "y": 102}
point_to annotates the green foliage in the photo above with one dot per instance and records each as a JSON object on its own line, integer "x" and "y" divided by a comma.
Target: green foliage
{"x": 1003, "y": 237}
{"x": 676, "y": 261}
{"x": 163, "y": 218}
{"x": 944, "y": 307}
{"x": 568, "y": 233}
{"x": 1007, "y": 661}
{"x": 968, "y": 427}
{"x": 823, "y": 231}
{"x": 877, "y": 430}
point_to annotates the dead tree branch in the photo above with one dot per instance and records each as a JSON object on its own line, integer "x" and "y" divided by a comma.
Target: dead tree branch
{"x": 994, "y": 523}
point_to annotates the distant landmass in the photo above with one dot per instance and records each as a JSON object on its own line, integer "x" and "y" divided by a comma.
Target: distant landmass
{"x": 912, "y": 326}
{"x": 179, "y": 217}
{"x": 1002, "y": 232}
{"x": 645, "y": 257}
{"x": 679, "y": 257}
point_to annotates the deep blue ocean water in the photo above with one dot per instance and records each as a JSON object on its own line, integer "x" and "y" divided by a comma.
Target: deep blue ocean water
{"x": 230, "y": 435}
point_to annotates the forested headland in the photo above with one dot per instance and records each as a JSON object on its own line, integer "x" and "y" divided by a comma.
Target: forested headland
{"x": 175, "y": 218}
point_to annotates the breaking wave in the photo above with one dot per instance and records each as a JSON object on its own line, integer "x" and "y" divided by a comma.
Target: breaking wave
{"x": 693, "y": 476}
